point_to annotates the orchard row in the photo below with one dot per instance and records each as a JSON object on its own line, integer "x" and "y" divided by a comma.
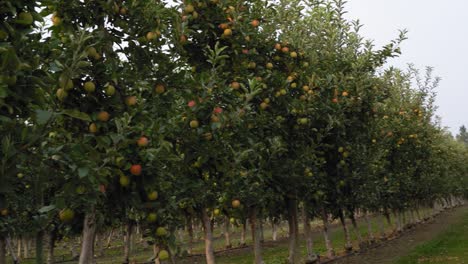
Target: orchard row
{"x": 118, "y": 112}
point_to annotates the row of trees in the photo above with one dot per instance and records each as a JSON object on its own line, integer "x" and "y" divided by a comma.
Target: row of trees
{"x": 115, "y": 112}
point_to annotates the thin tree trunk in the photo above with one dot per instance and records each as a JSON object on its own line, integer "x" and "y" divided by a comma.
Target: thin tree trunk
{"x": 311, "y": 256}
{"x": 209, "y": 251}
{"x": 2, "y": 250}
{"x": 294, "y": 252}
{"x": 156, "y": 253}
{"x": 227, "y": 235}
{"x": 326, "y": 236}
{"x": 87, "y": 245}
{"x": 50, "y": 252}
{"x": 262, "y": 236}
{"x": 19, "y": 249}
{"x": 382, "y": 226}
{"x": 243, "y": 232}
{"x": 356, "y": 229}
{"x": 348, "y": 243}
{"x": 369, "y": 226}
{"x": 397, "y": 220}
{"x": 12, "y": 252}
{"x": 26, "y": 247}
{"x": 418, "y": 215}
{"x": 274, "y": 228}
{"x": 255, "y": 236}
{"x": 127, "y": 241}
{"x": 109, "y": 238}
{"x": 190, "y": 233}
{"x": 40, "y": 247}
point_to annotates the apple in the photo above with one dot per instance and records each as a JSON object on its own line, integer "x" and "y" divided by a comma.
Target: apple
{"x": 143, "y": 141}
{"x": 235, "y": 85}
{"x": 252, "y": 65}
{"x": 335, "y": 100}
{"x": 4, "y": 212}
{"x": 255, "y": 23}
{"x": 131, "y": 100}
{"x": 303, "y": 121}
{"x": 189, "y": 8}
{"x": 263, "y": 105}
{"x": 20, "y": 175}
{"x": 135, "y": 169}
{"x": 285, "y": 49}
{"x": 163, "y": 255}
{"x": 25, "y": 18}
{"x": 56, "y": 20}
{"x": 232, "y": 220}
{"x": 183, "y": 39}
{"x": 124, "y": 181}
{"x": 216, "y": 211}
{"x": 161, "y": 231}
{"x": 89, "y": 87}
{"x": 152, "y": 217}
{"x": 66, "y": 215}
{"x": 80, "y": 189}
{"x": 227, "y": 32}
{"x": 341, "y": 149}
{"x": 293, "y": 54}
{"x": 91, "y": 51}
{"x": 194, "y": 124}
{"x": 110, "y": 90}
{"x": 235, "y": 203}
{"x": 269, "y": 65}
{"x": 191, "y": 103}
{"x": 159, "y": 89}
{"x": 223, "y": 26}
{"x": 93, "y": 128}
{"x": 344, "y": 94}
{"x": 277, "y": 46}
{"x": 103, "y": 116}
{"x": 150, "y": 36}
{"x": 61, "y": 94}
{"x": 208, "y": 136}
{"x": 153, "y": 196}
{"x": 123, "y": 11}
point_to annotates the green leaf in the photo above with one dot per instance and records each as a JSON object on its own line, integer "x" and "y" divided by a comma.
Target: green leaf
{"x": 46, "y": 209}
{"x": 77, "y": 114}
{"x": 83, "y": 172}
{"x": 43, "y": 116}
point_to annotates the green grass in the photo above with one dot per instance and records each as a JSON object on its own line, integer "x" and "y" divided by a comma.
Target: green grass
{"x": 447, "y": 248}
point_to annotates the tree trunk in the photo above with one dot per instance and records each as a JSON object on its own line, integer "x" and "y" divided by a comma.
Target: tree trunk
{"x": 227, "y": 235}
{"x": 262, "y": 236}
{"x": 274, "y": 229}
{"x": 255, "y": 236}
{"x": 26, "y": 247}
{"x": 348, "y": 242}
{"x": 294, "y": 251}
{"x": 127, "y": 241}
{"x": 2, "y": 250}
{"x": 156, "y": 253}
{"x": 397, "y": 220}
{"x": 209, "y": 251}
{"x": 326, "y": 236}
{"x": 109, "y": 238}
{"x": 311, "y": 256}
{"x": 356, "y": 229}
{"x": 190, "y": 233}
{"x": 40, "y": 247}
{"x": 382, "y": 227}
{"x": 243, "y": 232}
{"x": 87, "y": 244}
{"x": 51, "y": 247}
{"x": 19, "y": 249}
{"x": 369, "y": 226}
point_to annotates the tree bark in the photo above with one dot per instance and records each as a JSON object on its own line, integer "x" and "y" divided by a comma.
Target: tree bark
{"x": 382, "y": 227}
{"x": 2, "y": 250}
{"x": 40, "y": 247}
{"x": 243, "y": 232}
{"x": 227, "y": 235}
{"x": 87, "y": 244}
{"x": 274, "y": 229}
{"x": 356, "y": 229}
{"x": 255, "y": 236}
{"x": 369, "y": 226}
{"x": 50, "y": 252}
{"x": 190, "y": 233}
{"x": 348, "y": 242}
{"x": 156, "y": 253}
{"x": 127, "y": 241}
{"x": 209, "y": 251}
{"x": 294, "y": 251}
{"x": 311, "y": 256}
{"x": 326, "y": 236}
{"x": 19, "y": 249}
{"x": 26, "y": 247}
{"x": 262, "y": 236}
{"x": 109, "y": 238}
{"x": 397, "y": 220}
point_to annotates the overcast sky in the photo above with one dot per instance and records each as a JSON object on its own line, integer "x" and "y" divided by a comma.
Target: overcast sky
{"x": 438, "y": 37}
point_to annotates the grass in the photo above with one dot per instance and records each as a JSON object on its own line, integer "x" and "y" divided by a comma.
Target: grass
{"x": 447, "y": 248}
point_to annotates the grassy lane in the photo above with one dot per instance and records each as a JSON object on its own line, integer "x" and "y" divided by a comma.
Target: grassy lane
{"x": 447, "y": 248}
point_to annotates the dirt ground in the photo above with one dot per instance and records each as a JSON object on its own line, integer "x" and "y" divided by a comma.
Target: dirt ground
{"x": 390, "y": 251}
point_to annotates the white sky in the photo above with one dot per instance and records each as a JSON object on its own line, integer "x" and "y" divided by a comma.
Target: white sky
{"x": 438, "y": 37}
